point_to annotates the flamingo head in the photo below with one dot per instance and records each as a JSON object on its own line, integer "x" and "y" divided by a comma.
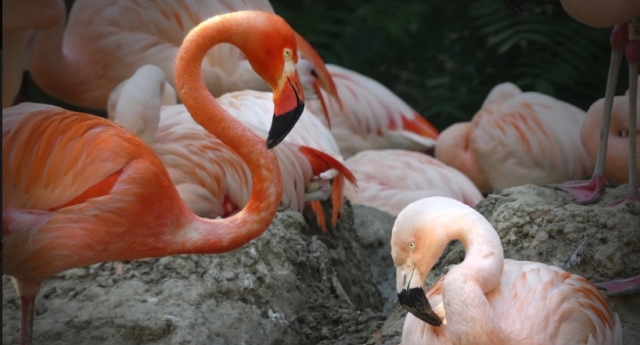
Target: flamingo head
{"x": 416, "y": 244}
{"x": 271, "y": 49}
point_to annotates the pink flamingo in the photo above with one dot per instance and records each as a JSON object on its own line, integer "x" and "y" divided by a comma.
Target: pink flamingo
{"x": 79, "y": 189}
{"x": 616, "y": 167}
{"x": 488, "y": 299}
{"x": 389, "y": 180}
{"x": 368, "y": 115}
{"x": 517, "y": 138}
{"x": 104, "y": 43}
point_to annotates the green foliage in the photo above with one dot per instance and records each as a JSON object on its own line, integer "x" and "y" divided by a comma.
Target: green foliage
{"x": 443, "y": 57}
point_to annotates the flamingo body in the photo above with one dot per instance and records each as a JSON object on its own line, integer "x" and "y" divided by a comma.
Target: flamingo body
{"x": 51, "y": 211}
{"x": 389, "y": 180}
{"x": 105, "y": 42}
{"x": 369, "y": 115}
{"x": 617, "y": 162}
{"x": 602, "y": 14}
{"x": 487, "y": 299}
{"x": 20, "y": 21}
{"x": 517, "y": 138}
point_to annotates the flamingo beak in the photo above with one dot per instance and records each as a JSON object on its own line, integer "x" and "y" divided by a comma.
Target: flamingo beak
{"x": 412, "y": 296}
{"x": 289, "y": 104}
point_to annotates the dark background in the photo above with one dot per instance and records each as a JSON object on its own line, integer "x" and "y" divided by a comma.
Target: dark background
{"x": 443, "y": 57}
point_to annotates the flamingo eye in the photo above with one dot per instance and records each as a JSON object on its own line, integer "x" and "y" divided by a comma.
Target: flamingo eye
{"x": 287, "y": 52}
{"x": 412, "y": 245}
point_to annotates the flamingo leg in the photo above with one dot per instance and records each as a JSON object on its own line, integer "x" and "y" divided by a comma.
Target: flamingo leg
{"x": 591, "y": 191}
{"x": 26, "y": 321}
{"x": 621, "y": 286}
{"x": 119, "y": 268}
{"x": 633, "y": 58}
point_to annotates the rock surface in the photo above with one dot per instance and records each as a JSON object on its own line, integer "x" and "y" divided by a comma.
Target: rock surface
{"x": 295, "y": 285}
{"x": 289, "y": 286}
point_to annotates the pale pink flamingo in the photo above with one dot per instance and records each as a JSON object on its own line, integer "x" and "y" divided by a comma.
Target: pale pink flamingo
{"x": 486, "y": 299}
{"x": 104, "y": 43}
{"x": 389, "y": 180}
{"x": 616, "y": 167}
{"x": 210, "y": 177}
{"x": 78, "y": 189}
{"x": 367, "y": 115}
{"x": 20, "y": 20}
{"x": 517, "y": 138}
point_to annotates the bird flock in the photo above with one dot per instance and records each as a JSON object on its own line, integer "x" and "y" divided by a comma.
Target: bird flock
{"x": 220, "y": 114}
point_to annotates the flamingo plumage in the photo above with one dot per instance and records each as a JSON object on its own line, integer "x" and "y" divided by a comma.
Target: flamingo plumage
{"x": 20, "y": 20}
{"x": 616, "y": 167}
{"x": 210, "y": 177}
{"x": 389, "y": 180}
{"x": 517, "y": 138}
{"x": 79, "y": 189}
{"x": 105, "y": 42}
{"x": 487, "y": 299}
{"x": 368, "y": 115}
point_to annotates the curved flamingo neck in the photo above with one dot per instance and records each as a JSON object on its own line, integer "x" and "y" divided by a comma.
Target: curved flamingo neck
{"x": 60, "y": 72}
{"x": 484, "y": 257}
{"x": 216, "y": 236}
{"x": 467, "y": 283}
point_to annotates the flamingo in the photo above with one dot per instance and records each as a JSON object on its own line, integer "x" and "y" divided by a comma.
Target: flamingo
{"x": 488, "y": 299}
{"x": 105, "y": 42}
{"x": 210, "y": 177}
{"x": 367, "y": 115}
{"x": 79, "y": 189}
{"x": 20, "y": 20}
{"x": 617, "y": 165}
{"x": 389, "y": 180}
{"x": 517, "y": 138}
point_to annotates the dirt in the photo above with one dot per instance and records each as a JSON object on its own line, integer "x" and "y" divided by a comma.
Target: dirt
{"x": 296, "y": 285}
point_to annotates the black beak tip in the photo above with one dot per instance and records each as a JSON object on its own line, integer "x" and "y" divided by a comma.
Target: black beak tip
{"x": 415, "y": 301}
{"x": 283, "y": 124}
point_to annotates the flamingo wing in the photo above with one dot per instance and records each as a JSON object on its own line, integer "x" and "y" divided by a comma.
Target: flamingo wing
{"x": 370, "y": 110}
{"x": 530, "y": 137}
{"x": 534, "y": 304}
{"x": 210, "y": 177}
{"x": 390, "y": 180}
{"x": 52, "y": 156}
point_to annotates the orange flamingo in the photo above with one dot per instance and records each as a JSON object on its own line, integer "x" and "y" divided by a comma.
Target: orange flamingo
{"x": 105, "y": 42}
{"x": 79, "y": 189}
{"x": 20, "y": 19}
{"x": 488, "y": 299}
{"x": 210, "y": 177}
{"x": 389, "y": 180}
{"x": 517, "y": 138}
{"x": 367, "y": 115}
